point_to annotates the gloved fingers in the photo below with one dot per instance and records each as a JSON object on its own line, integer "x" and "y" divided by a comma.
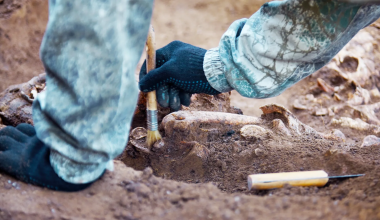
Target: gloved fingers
{"x": 162, "y": 94}
{"x": 185, "y": 98}
{"x": 7, "y": 143}
{"x": 160, "y": 60}
{"x": 7, "y": 161}
{"x": 13, "y": 133}
{"x": 174, "y": 100}
{"x": 155, "y": 78}
{"x": 26, "y": 129}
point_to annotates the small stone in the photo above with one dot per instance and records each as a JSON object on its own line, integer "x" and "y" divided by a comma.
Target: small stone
{"x": 16, "y": 185}
{"x": 259, "y": 152}
{"x": 147, "y": 173}
{"x": 297, "y": 105}
{"x": 335, "y": 134}
{"x": 322, "y": 112}
{"x": 337, "y": 97}
{"x": 310, "y": 97}
{"x": 370, "y": 140}
{"x": 360, "y": 97}
{"x": 158, "y": 145}
{"x": 224, "y": 166}
{"x": 331, "y": 112}
{"x": 375, "y": 93}
{"x": 324, "y": 86}
{"x": 330, "y": 152}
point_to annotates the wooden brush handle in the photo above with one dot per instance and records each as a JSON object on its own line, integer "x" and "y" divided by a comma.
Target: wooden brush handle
{"x": 278, "y": 180}
{"x": 151, "y": 64}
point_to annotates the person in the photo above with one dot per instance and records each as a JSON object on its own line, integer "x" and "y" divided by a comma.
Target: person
{"x": 90, "y": 51}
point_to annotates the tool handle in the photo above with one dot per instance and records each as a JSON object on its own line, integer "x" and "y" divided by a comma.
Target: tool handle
{"x": 278, "y": 180}
{"x": 151, "y": 64}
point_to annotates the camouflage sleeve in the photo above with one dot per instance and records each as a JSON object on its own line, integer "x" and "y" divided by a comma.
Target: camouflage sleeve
{"x": 283, "y": 43}
{"x": 90, "y": 51}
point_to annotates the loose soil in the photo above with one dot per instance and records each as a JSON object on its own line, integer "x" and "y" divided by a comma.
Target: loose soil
{"x": 200, "y": 169}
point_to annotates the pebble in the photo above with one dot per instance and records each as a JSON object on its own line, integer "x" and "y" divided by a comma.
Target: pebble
{"x": 370, "y": 140}
{"x": 147, "y": 173}
{"x": 322, "y": 112}
{"x": 259, "y": 152}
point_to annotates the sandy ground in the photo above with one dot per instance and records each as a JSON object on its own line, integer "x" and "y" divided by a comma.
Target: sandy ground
{"x": 206, "y": 179}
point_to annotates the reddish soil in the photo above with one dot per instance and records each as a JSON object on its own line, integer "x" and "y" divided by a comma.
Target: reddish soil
{"x": 201, "y": 169}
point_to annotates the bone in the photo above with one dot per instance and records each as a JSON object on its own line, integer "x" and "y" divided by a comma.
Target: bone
{"x": 291, "y": 122}
{"x": 356, "y": 124}
{"x": 203, "y": 126}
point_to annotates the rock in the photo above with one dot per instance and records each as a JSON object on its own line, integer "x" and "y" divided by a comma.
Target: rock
{"x": 147, "y": 173}
{"x": 297, "y": 105}
{"x": 360, "y": 97}
{"x": 321, "y": 112}
{"x": 253, "y": 132}
{"x": 259, "y": 152}
{"x": 371, "y": 140}
{"x": 375, "y": 93}
{"x": 324, "y": 86}
{"x": 14, "y": 109}
{"x": 367, "y": 113}
{"x": 335, "y": 134}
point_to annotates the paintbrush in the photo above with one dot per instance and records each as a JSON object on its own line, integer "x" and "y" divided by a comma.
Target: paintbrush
{"x": 153, "y": 133}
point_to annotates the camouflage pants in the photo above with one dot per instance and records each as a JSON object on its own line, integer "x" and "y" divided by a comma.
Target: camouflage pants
{"x": 90, "y": 51}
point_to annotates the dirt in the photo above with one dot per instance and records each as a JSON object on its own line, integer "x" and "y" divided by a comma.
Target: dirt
{"x": 199, "y": 171}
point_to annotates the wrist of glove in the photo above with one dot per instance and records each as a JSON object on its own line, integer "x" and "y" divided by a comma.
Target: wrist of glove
{"x": 178, "y": 74}
{"x": 25, "y": 157}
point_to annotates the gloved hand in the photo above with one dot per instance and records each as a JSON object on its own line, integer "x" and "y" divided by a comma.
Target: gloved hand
{"x": 25, "y": 157}
{"x": 178, "y": 74}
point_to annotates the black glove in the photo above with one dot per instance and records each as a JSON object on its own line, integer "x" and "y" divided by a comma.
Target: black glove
{"x": 25, "y": 157}
{"x": 178, "y": 74}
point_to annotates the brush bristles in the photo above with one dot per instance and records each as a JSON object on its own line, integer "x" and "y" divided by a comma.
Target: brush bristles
{"x": 153, "y": 137}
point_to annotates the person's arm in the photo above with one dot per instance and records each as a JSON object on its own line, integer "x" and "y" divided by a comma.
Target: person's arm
{"x": 283, "y": 43}
{"x": 261, "y": 56}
